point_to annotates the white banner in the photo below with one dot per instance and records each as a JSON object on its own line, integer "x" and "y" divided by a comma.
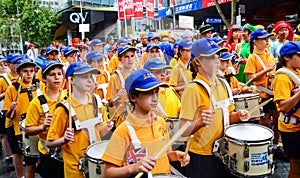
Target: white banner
{"x": 186, "y": 22}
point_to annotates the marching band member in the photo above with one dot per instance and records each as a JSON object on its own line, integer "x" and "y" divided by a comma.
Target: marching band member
{"x": 114, "y": 62}
{"x": 116, "y": 93}
{"x": 152, "y": 51}
{"x": 287, "y": 97}
{"x": 180, "y": 74}
{"x": 198, "y": 107}
{"x": 39, "y": 116}
{"x": 134, "y": 142}
{"x": 74, "y": 139}
{"x": 17, "y": 98}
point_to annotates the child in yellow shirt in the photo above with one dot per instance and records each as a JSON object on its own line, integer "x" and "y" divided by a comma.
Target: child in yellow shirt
{"x": 143, "y": 132}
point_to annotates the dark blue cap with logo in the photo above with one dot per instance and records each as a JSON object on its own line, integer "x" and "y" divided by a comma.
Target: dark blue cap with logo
{"x": 150, "y": 46}
{"x": 80, "y": 68}
{"x": 94, "y": 55}
{"x": 217, "y": 39}
{"x": 49, "y": 49}
{"x": 69, "y": 50}
{"x": 96, "y": 42}
{"x": 2, "y": 58}
{"x": 225, "y": 56}
{"x": 122, "y": 41}
{"x": 123, "y": 49}
{"x": 48, "y": 64}
{"x": 259, "y": 33}
{"x": 290, "y": 48}
{"x": 13, "y": 57}
{"x": 142, "y": 80}
{"x": 156, "y": 63}
{"x": 25, "y": 61}
{"x": 206, "y": 47}
{"x": 185, "y": 44}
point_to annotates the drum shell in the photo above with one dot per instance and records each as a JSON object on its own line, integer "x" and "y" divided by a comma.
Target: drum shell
{"x": 260, "y": 157}
{"x": 173, "y": 127}
{"x": 30, "y": 143}
{"x": 247, "y": 102}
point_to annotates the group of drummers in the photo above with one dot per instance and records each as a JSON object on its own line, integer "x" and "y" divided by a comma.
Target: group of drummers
{"x": 116, "y": 110}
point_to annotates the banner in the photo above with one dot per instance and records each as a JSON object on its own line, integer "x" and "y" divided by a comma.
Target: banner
{"x": 150, "y": 8}
{"x": 159, "y": 5}
{"x": 138, "y": 9}
{"x": 210, "y": 3}
{"x": 125, "y": 9}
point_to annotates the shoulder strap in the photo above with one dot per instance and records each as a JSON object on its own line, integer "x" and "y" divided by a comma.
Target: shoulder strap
{"x": 107, "y": 75}
{"x": 231, "y": 100}
{"x": 118, "y": 72}
{"x": 260, "y": 61}
{"x": 134, "y": 139}
{"x": 182, "y": 74}
{"x": 8, "y": 81}
{"x": 16, "y": 85}
{"x": 65, "y": 105}
{"x": 97, "y": 104}
{"x": 205, "y": 85}
{"x": 289, "y": 73}
{"x": 42, "y": 100}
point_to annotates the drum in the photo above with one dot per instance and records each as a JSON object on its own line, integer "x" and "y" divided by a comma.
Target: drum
{"x": 56, "y": 154}
{"x": 271, "y": 81}
{"x": 94, "y": 154}
{"x": 30, "y": 143}
{"x": 173, "y": 127}
{"x": 166, "y": 176}
{"x": 248, "y": 101}
{"x": 249, "y": 150}
{"x": 103, "y": 87}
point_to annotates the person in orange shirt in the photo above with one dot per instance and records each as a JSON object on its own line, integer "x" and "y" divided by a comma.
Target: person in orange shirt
{"x": 114, "y": 62}
{"x": 287, "y": 96}
{"x": 261, "y": 66}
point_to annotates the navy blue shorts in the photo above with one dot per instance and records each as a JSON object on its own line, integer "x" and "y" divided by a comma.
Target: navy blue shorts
{"x": 2, "y": 123}
{"x": 14, "y": 140}
{"x": 30, "y": 160}
{"x": 51, "y": 167}
{"x": 268, "y": 107}
{"x": 291, "y": 144}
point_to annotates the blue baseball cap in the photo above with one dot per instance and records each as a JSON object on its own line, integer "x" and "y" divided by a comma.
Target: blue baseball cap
{"x": 205, "y": 47}
{"x": 80, "y": 68}
{"x": 217, "y": 39}
{"x": 48, "y": 64}
{"x": 62, "y": 48}
{"x": 150, "y": 46}
{"x": 2, "y": 58}
{"x": 225, "y": 56}
{"x": 259, "y": 33}
{"x": 94, "y": 55}
{"x": 142, "y": 80}
{"x": 69, "y": 50}
{"x": 13, "y": 57}
{"x": 156, "y": 63}
{"x": 152, "y": 37}
{"x": 49, "y": 49}
{"x": 125, "y": 48}
{"x": 122, "y": 41}
{"x": 290, "y": 48}
{"x": 185, "y": 44}
{"x": 25, "y": 61}
{"x": 96, "y": 42}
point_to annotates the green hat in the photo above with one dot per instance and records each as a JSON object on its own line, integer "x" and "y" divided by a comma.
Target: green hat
{"x": 205, "y": 28}
{"x": 249, "y": 27}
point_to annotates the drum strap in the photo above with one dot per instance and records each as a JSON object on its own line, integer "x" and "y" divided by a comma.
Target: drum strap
{"x": 289, "y": 73}
{"x": 43, "y": 101}
{"x": 182, "y": 74}
{"x": 260, "y": 61}
{"x": 223, "y": 104}
{"x": 162, "y": 110}
{"x": 6, "y": 78}
{"x": 118, "y": 72}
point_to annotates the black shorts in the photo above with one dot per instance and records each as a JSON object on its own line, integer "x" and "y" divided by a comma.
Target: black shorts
{"x": 30, "y": 160}
{"x": 268, "y": 107}
{"x": 291, "y": 144}
{"x": 14, "y": 140}
{"x": 206, "y": 166}
{"x": 51, "y": 167}
{"x": 2, "y": 123}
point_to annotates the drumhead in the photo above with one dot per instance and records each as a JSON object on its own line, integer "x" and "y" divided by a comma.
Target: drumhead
{"x": 165, "y": 176}
{"x": 246, "y": 95}
{"x": 96, "y": 150}
{"x": 249, "y": 132}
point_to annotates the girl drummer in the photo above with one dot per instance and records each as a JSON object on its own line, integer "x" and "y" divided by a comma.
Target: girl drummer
{"x": 287, "y": 97}
{"x": 206, "y": 121}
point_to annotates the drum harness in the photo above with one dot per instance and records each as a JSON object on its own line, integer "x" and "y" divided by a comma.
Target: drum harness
{"x": 287, "y": 118}
{"x": 182, "y": 74}
{"x": 223, "y": 104}
{"x": 126, "y": 108}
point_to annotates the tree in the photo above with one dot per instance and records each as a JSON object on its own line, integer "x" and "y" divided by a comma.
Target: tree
{"x": 233, "y": 12}
{"x": 36, "y": 23}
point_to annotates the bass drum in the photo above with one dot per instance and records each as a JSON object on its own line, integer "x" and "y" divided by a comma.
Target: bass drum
{"x": 30, "y": 143}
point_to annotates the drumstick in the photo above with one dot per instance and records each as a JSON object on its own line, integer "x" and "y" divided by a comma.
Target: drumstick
{"x": 249, "y": 81}
{"x": 19, "y": 90}
{"x": 188, "y": 145}
{"x": 163, "y": 150}
{"x": 117, "y": 110}
{"x": 259, "y": 106}
{"x": 70, "y": 93}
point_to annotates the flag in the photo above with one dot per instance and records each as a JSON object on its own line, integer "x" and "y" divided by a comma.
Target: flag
{"x": 138, "y": 9}
{"x": 136, "y": 155}
{"x": 150, "y": 8}
{"x": 125, "y": 9}
{"x": 159, "y": 5}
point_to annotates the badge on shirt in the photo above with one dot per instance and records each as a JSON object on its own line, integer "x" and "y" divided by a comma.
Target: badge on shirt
{"x": 136, "y": 155}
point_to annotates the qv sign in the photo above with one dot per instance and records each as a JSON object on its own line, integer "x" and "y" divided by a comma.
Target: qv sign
{"x": 76, "y": 16}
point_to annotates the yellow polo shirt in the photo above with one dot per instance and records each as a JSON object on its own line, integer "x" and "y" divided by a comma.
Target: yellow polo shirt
{"x": 195, "y": 99}
{"x": 282, "y": 87}
{"x": 169, "y": 101}
{"x": 151, "y": 132}
{"x": 176, "y": 78}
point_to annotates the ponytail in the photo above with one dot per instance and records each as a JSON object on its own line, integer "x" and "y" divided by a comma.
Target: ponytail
{"x": 193, "y": 68}
{"x": 282, "y": 62}
{"x": 251, "y": 46}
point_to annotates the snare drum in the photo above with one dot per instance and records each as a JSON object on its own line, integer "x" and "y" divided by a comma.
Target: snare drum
{"x": 249, "y": 150}
{"x": 173, "y": 127}
{"x": 248, "y": 101}
{"x": 30, "y": 143}
{"x": 94, "y": 154}
{"x": 166, "y": 176}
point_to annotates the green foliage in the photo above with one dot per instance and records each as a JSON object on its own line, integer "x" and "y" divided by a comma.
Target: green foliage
{"x": 37, "y": 23}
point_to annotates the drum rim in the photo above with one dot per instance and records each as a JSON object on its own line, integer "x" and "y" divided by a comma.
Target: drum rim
{"x": 252, "y": 96}
{"x": 95, "y": 160}
{"x": 167, "y": 175}
{"x": 259, "y": 142}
